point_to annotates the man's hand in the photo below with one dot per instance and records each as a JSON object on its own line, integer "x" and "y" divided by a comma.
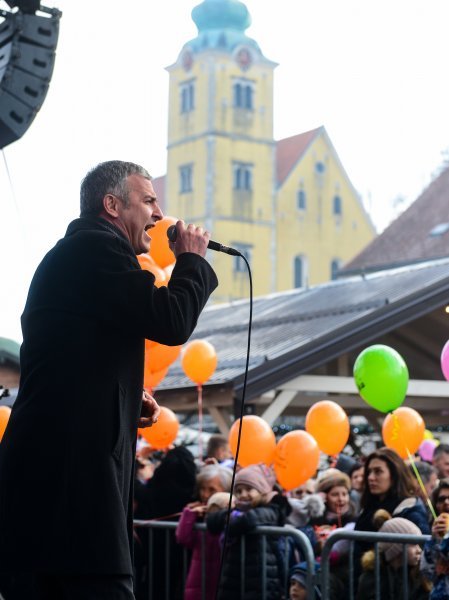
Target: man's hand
{"x": 150, "y": 410}
{"x": 189, "y": 239}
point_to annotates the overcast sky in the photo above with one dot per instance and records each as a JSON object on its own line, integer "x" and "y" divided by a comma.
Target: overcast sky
{"x": 373, "y": 73}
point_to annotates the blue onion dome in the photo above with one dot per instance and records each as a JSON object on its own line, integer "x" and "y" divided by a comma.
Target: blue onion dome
{"x": 221, "y": 14}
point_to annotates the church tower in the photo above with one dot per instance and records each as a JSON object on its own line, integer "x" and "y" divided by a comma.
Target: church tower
{"x": 221, "y": 151}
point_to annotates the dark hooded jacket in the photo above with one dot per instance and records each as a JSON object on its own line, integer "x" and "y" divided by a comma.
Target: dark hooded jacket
{"x": 233, "y": 581}
{"x": 67, "y": 456}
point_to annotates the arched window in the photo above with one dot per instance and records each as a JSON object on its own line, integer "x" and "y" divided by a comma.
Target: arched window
{"x": 237, "y": 94}
{"x": 243, "y": 176}
{"x": 335, "y": 267}
{"x": 300, "y": 271}
{"x": 185, "y": 178}
{"x": 249, "y": 97}
{"x": 337, "y": 208}
{"x": 187, "y": 96}
{"x": 243, "y": 94}
{"x": 301, "y": 203}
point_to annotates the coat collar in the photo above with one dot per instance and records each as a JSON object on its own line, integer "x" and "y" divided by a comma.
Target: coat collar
{"x": 89, "y": 223}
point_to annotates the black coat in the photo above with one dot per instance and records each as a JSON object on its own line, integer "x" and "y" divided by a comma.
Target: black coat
{"x": 67, "y": 456}
{"x": 272, "y": 514}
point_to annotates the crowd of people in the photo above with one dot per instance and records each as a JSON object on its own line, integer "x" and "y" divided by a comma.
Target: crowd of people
{"x": 376, "y": 493}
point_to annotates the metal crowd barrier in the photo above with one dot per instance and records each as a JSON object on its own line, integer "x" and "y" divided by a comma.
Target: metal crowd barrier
{"x": 314, "y": 591}
{"x": 169, "y": 527}
{"x": 374, "y": 538}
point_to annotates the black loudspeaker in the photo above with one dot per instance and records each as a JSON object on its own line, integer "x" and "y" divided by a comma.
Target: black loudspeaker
{"x": 27, "y": 56}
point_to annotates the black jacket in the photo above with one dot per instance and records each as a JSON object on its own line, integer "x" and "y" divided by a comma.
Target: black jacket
{"x": 67, "y": 456}
{"x": 232, "y": 580}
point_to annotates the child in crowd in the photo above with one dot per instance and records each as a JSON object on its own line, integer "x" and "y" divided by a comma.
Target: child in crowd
{"x": 192, "y": 539}
{"x": 391, "y": 564}
{"x": 256, "y": 505}
{"x": 303, "y": 511}
{"x": 297, "y": 587}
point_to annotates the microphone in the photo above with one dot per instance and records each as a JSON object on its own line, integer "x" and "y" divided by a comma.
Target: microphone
{"x": 172, "y": 234}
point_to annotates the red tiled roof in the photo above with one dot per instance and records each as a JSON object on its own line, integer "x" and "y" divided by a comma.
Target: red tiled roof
{"x": 408, "y": 238}
{"x": 159, "y": 188}
{"x": 289, "y": 151}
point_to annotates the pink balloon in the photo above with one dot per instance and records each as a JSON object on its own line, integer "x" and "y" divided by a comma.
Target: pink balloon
{"x": 445, "y": 360}
{"x": 427, "y": 449}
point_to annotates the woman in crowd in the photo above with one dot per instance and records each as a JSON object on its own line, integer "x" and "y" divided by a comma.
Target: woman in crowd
{"x": 388, "y": 484}
{"x": 339, "y": 514}
{"x": 213, "y": 481}
{"x": 210, "y": 480}
{"x": 203, "y": 546}
{"x": 339, "y": 510}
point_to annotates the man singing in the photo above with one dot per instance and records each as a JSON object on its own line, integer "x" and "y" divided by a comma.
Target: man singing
{"x": 66, "y": 459}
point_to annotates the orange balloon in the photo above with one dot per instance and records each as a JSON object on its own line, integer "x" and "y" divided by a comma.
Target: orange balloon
{"x": 169, "y": 270}
{"x": 151, "y": 379}
{"x": 257, "y": 442}
{"x": 164, "y": 432}
{"x": 145, "y": 260}
{"x": 159, "y": 356}
{"x": 5, "y": 413}
{"x": 328, "y": 423}
{"x": 403, "y": 430}
{"x": 296, "y": 459}
{"x": 148, "y": 264}
{"x": 199, "y": 361}
{"x": 159, "y": 248}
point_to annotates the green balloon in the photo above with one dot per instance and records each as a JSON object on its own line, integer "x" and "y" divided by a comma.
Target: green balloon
{"x": 381, "y": 376}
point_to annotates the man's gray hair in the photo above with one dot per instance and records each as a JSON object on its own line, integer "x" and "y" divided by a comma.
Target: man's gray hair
{"x": 107, "y": 178}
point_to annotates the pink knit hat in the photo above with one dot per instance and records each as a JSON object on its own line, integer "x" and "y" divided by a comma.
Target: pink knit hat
{"x": 259, "y": 477}
{"x": 396, "y": 525}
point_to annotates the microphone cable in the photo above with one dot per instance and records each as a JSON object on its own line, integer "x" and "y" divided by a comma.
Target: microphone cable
{"x": 242, "y": 407}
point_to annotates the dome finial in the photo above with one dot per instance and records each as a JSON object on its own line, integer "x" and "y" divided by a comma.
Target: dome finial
{"x": 221, "y": 14}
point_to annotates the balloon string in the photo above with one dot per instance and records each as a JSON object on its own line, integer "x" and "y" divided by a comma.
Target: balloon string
{"x": 421, "y": 484}
{"x": 395, "y": 436}
{"x": 200, "y": 421}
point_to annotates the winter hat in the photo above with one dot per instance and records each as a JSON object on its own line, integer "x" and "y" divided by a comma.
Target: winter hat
{"x": 219, "y": 499}
{"x": 259, "y": 477}
{"x": 394, "y": 525}
{"x": 346, "y": 463}
{"x": 331, "y": 478}
{"x": 298, "y": 573}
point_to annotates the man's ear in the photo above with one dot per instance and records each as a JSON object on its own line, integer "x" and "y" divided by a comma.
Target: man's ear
{"x": 111, "y": 205}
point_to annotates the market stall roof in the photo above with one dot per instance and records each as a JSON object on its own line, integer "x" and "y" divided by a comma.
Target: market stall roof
{"x": 297, "y": 331}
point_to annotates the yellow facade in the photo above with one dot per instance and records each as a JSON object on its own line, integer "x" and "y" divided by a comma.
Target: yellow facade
{"x": 221, "y": 168}
{"x": 320, "y": 234}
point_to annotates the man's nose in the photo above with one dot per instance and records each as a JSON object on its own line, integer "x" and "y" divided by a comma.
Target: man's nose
{"x": 157, "y": 213}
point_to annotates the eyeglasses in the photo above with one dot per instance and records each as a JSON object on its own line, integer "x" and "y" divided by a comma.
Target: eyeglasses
{"x": 442, "y": 498}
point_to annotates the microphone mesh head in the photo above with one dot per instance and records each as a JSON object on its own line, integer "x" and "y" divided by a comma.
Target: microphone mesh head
{"x": 172, "y": 233}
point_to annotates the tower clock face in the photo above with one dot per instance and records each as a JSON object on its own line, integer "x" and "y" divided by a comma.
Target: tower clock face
{"x": 187, "y": 60}
{"x": 244, "y": 59}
